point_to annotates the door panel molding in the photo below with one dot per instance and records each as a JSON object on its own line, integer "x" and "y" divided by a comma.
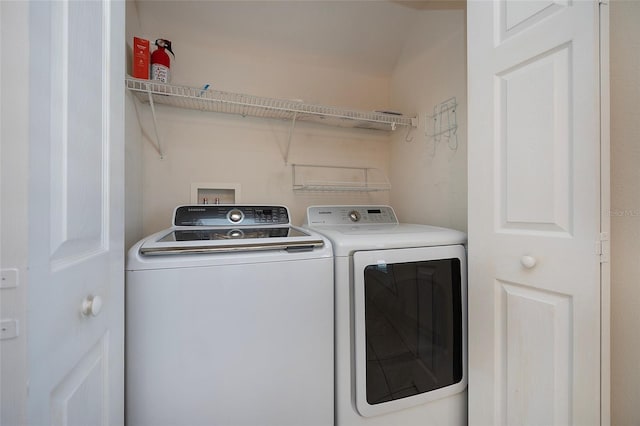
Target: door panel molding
{"x": 533, "y": 125}
{"x": 81, "y": 398}
{"x": 536, "y": 385}
{"x": 79, "y": 184}
{"x": 517, "y": 17}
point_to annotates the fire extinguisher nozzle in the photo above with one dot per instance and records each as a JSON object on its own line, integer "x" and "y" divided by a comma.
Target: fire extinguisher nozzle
{"x": 165, "y": 44}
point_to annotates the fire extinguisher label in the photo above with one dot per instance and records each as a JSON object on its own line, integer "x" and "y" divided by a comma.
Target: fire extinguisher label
{"x": 160, "y": 73}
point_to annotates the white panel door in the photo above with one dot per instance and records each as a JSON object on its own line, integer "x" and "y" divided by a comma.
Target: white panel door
{"x": 534, "y": 213}
{"x": 76, "y": 255}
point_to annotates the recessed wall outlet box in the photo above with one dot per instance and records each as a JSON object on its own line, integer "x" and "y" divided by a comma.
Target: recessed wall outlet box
{"x": 215, "y": 193}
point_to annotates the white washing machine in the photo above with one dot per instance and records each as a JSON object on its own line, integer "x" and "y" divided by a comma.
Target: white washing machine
{"x": 229, "y": 321}
{"x": 401, "y": 312}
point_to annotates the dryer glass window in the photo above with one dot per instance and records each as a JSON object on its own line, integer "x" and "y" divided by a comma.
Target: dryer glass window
{"x": 413, "y": 323}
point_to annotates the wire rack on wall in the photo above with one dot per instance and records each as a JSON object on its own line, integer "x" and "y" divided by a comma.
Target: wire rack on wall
{"x": 204, "y": 99}
{"x": 443, "y": 124}
{"x": 256, "y": 106}
{"x": 318, "y": 178}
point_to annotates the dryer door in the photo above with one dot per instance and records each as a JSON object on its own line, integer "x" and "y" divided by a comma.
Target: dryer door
{"x": 410, "y": 310}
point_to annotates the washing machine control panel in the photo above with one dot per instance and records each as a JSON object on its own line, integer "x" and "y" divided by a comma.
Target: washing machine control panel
{"x": 349, "y": 215}
{"x": 230, "y": 214}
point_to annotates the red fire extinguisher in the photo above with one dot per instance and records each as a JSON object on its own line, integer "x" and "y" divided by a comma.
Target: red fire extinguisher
{"x": 160, "y": 61}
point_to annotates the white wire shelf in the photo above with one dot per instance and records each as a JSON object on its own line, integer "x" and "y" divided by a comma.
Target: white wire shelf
{"x": 254, "y": 106}
{"x": 316, "y": 178}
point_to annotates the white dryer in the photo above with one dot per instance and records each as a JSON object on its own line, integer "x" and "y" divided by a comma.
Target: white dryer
{"x": 229, "y": 321}
{"x": 401, "y": 312}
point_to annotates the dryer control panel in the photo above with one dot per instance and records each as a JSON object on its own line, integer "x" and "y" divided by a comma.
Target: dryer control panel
{"x": 349, "y": 215}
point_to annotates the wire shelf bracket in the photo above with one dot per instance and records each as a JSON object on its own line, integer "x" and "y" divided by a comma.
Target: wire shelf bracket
{"x": 158, "y": 145}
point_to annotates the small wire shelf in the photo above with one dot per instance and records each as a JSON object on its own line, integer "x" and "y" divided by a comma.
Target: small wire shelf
{"x": 255, "y": 106}
{"x": 317, "y": 178}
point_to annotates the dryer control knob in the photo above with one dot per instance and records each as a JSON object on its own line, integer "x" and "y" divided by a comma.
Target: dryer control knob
{"x": 354, "y": 216}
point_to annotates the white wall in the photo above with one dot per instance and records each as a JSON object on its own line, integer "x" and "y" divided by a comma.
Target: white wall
{"x": 205, "y": 147}
{"x": 14, "y": 167}
{"x": 430, "y": 183}
{"x": 133, "y": 147}
{"x": 201, "y": 147}
{"x": 625, "y": 212}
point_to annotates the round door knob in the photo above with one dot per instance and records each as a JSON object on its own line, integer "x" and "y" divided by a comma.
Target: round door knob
{"x": 528, "y": 261}
{"x": 91, "y": 305}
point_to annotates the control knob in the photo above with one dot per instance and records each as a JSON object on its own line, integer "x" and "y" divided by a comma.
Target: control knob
{"x": 235, "y": 215}
{"x": 354, "y": 216}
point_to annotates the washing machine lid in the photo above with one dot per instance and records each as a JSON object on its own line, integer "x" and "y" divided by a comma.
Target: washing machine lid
{"x": 355, "y": 228}
{"x": 229, "y": 228}
{"x": 180, "y": 241}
